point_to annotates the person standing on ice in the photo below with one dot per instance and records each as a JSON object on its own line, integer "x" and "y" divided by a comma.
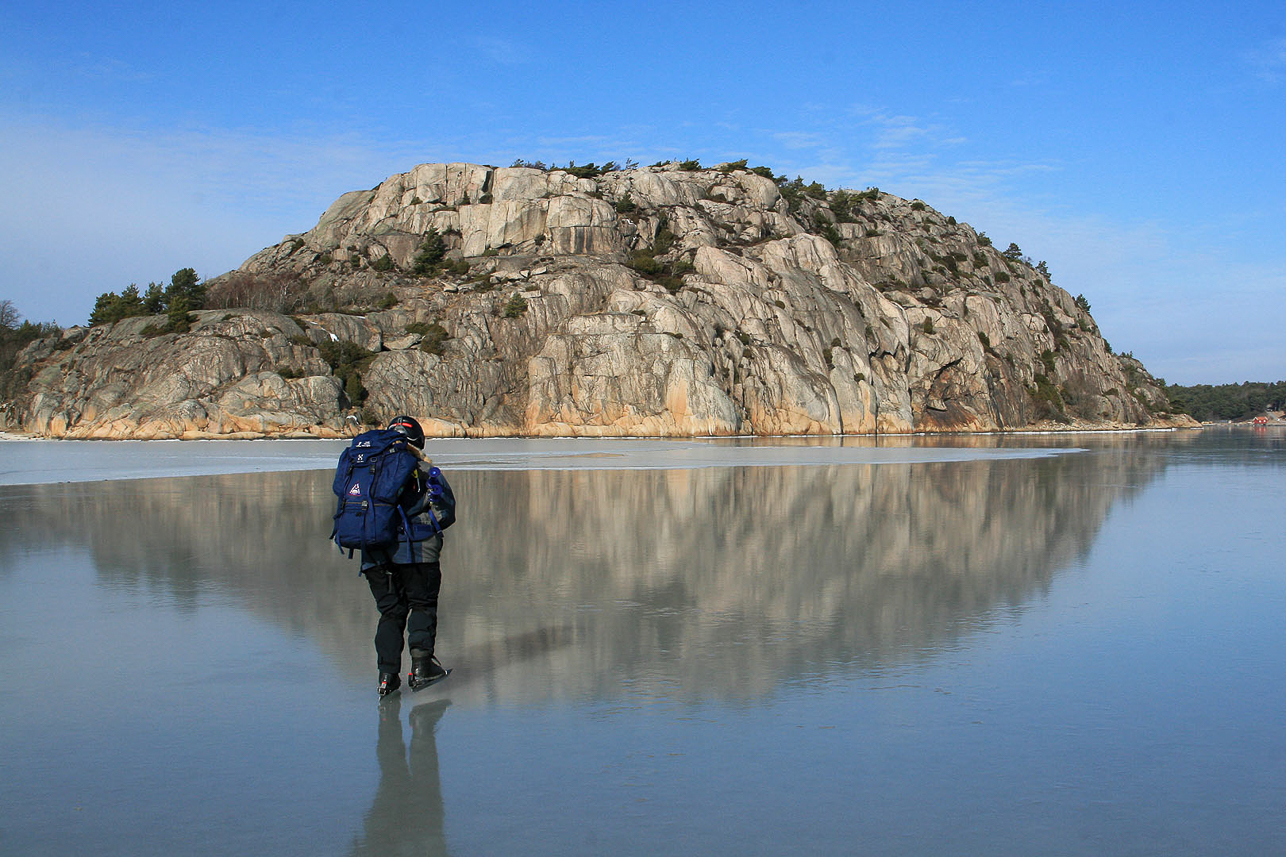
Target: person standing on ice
{"x": 405, "y": 578}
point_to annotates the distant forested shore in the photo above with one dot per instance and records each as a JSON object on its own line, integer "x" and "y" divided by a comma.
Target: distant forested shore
{"x": 1207, "y": 402}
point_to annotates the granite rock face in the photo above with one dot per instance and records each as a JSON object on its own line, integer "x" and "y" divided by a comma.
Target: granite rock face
{"x": 232, "y": 375}
{"x": 656, "y": 301}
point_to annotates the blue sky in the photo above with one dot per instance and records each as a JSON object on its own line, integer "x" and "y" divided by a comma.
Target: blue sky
{"x": 1136, "y": 147}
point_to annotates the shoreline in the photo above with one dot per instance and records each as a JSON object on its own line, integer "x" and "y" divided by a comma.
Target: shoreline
{"x": 1034, "y": 429}
{"x": 55, "y": 462}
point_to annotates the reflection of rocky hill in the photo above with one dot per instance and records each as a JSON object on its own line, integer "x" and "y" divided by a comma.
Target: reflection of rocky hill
{"x": 695, "y": 583}
{"x": 730, "y": 576}
{"x": 260, "y": 538}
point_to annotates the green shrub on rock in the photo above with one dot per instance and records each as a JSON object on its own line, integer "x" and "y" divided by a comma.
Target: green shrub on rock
{"x": 516, "y": 306}
{"x": 645, "y": 263}
{"x": 432, "y": 251}
{"x": 432, "y": 335}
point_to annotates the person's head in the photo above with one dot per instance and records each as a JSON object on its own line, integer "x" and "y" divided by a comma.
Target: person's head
{"x": 409, "y": 427}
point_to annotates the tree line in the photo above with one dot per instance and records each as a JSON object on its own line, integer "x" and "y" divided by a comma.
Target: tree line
{"x": 1208, "y": 403}
{"x": 16, "y": 334}
{"x": 185, "y": 293}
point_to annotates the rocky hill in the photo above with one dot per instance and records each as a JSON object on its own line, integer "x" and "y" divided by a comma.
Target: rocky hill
{"x": 664, "y": 300}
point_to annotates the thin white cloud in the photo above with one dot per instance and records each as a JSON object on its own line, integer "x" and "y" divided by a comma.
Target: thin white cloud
{"x": 1031, "y": 80}
{"x": 503, "y": 51}
{"x": 1006, "y": 168}
{"x": 899, "y": 131}
{"x": 111, "y": 68}
{"x": 584, "y": 141}
{"x": 946, "y": 184}
{"x": 798, "y": 139}
{"x": 1269, "y": 61}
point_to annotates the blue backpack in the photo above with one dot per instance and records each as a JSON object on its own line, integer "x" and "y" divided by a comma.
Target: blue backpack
{"x": 369, "y": 480}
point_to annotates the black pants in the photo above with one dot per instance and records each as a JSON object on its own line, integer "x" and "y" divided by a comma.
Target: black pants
{"x": 407, "y": 598}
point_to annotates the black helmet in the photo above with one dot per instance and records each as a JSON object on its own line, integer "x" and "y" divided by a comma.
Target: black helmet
{"x": 409, "y": 427}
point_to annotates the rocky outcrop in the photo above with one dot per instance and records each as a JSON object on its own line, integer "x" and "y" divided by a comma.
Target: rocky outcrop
{"x": 655, "y": 301}
{"x": 233, "y": 375}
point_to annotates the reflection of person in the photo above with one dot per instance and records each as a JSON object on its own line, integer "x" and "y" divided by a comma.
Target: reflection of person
{"x": 406, "y": 579}
{"x": 406, "y": 816}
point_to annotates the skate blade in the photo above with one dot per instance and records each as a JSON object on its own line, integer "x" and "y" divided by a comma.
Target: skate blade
{"x": 427, "y": 684}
